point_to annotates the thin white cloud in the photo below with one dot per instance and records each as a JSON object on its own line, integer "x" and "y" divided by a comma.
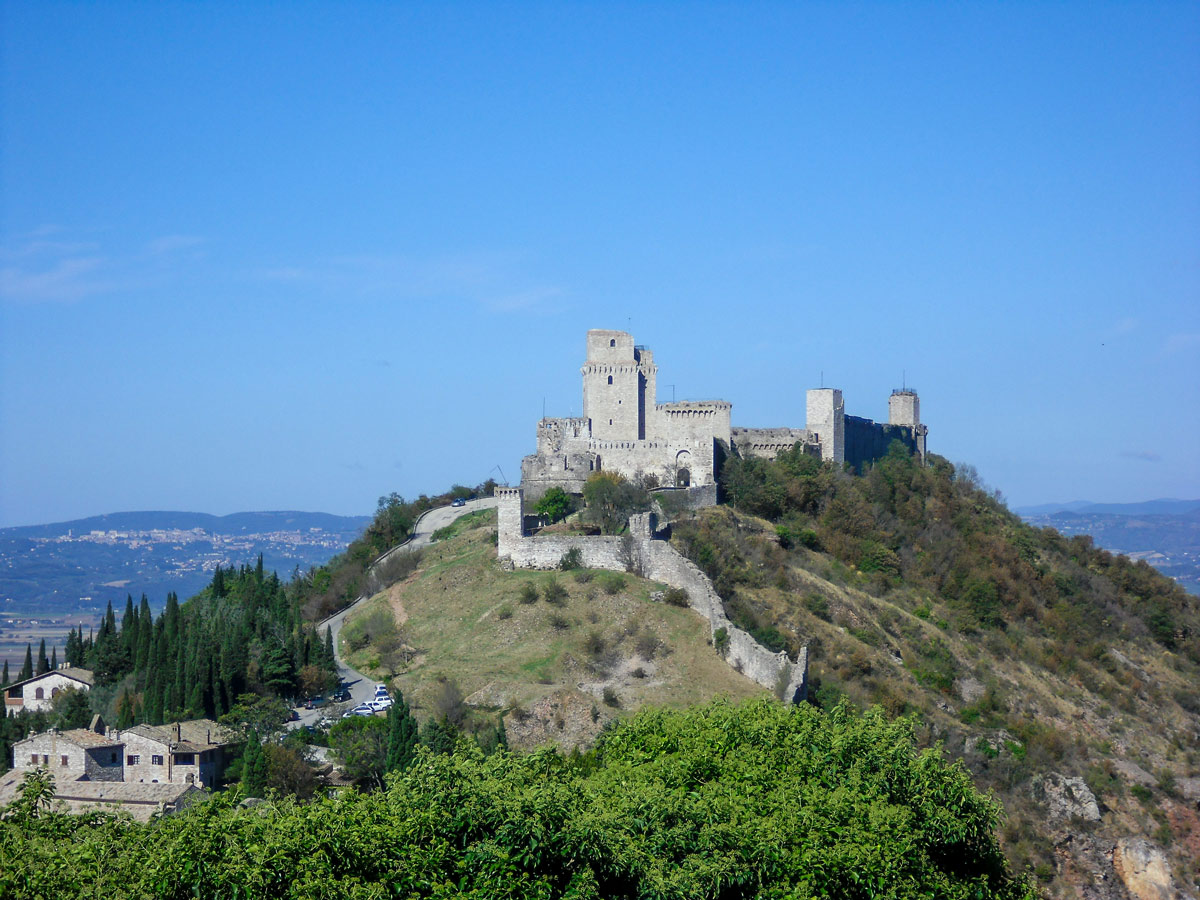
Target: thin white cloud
{"x": 494, "y": 281}
{"x": 46, "y": 266}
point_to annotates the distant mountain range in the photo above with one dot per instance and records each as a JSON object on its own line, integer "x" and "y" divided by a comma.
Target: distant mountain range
{"x": 234, "y": 523}
{"x": 1144, "y": 508}
{"x": 1164, "y": 533}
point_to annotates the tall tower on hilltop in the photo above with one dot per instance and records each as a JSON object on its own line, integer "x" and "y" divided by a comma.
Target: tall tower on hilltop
{"x": 619, "y": 387}
{"x": 827, "y": 420}
{"x": 904, "y": 408}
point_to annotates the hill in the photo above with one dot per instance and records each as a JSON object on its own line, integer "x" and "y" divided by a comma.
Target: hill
{"x": 557, "y": 654}
{"x": 1065, "y": 677}
{"x": 1164, "y": 533}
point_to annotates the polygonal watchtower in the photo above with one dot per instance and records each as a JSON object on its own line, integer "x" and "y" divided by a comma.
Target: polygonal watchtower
{"x": 618, "y": 387}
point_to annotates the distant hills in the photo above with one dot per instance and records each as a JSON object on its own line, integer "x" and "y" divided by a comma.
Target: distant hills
{"x": 74, "y": 568}
{"x": 1164, "y": 533}
{"x": 1144, "y": 508}
{"x": 234, "y": 523}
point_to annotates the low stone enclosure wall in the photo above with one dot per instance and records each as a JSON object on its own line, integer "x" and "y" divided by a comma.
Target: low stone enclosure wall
{"x": 645, "y": 553}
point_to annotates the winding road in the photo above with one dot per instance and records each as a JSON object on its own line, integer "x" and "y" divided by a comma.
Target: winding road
{"x": 360, "y": 686}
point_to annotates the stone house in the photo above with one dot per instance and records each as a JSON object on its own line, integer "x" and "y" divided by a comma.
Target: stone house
{"x": 38, "y": 692}
{"x": 77, "y": 754}
{"x": 193, "y": 752}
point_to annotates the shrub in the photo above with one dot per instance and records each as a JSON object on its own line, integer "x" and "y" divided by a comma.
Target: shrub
{"x": 612, "y": 583}
{"x": 504, "y": 612}
{"x": 611, "y": 698}
{"x": 554, "y": 593}
{"x": 529, "y": 593}
{"x": 571, "y": 560}
{"x": 594, "y": 644}
{"x": 583, "y": 576}
{"x": 817, "y": 605}
{"x": 676, "y": 596}
{"x": 558, "y": 621}
{"x": 721, "y": 640}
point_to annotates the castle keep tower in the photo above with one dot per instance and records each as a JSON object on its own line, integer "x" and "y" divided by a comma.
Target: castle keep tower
{"x": 618, "y": 387}
{"x": 904, "y": 408}
{"x": 826, "y": 415}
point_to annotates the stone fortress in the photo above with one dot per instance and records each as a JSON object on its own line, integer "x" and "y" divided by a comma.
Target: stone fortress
{"x": 624, "y": 429}
{"x": 680, "y": 445}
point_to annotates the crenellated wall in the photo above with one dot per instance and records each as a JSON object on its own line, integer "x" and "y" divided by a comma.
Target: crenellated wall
{"x": 647, "y": 555}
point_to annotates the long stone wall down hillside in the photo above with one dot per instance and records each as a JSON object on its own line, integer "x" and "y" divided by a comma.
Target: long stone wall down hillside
{"x": 653, "y": 558}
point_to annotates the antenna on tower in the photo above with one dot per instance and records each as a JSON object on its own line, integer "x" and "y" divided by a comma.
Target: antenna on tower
{"x": 903, "y": 379}
{"x": 822, "y": 378}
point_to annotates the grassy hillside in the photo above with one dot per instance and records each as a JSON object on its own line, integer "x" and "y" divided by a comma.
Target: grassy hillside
{"x": 1036, "y": 658}
{"x": 559, "y": 654}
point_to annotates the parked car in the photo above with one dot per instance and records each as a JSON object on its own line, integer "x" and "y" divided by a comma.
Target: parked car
{"x": 380, "y": 705}
{"x": 342, "y": 695}
{"x": 459, "y": 502}
{"x": 363, "y": 709}
{"x": 314, "y": 703}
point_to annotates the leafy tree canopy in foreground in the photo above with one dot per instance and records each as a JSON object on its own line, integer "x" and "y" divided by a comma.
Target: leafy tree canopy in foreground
{"x": 752, "y": 801}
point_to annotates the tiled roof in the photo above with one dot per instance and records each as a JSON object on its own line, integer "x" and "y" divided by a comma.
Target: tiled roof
{"x": 80, "y": 737}
{"x": 195, "y": 736}
{"x": 83, "y": 676}
{"x": 83, "y": 737}
{"x": 143, "y": 798}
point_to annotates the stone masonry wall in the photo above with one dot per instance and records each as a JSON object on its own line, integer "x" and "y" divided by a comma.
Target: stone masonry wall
{"x": 659, "y": 561}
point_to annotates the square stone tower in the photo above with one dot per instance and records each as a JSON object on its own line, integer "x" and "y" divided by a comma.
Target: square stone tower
{"x": 618, "y": 387}
{"x": 904, "y": 408}
{"x": 827, "y": 420}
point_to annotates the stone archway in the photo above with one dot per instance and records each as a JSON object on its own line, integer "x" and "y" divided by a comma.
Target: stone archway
{"x": 683, "y": 469}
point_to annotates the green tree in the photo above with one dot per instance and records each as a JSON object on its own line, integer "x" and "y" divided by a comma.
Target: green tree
{"x": 43, "y": 664}
{"x": 555, "y": 504}
{"x": 361, "y": 744}
{"x": 611, "y": 499}
{"x": 27, "y": 669}
{"x": 403, "y": 736}
{"x": 70, "y": 709}
{"x": 255, "y": 768}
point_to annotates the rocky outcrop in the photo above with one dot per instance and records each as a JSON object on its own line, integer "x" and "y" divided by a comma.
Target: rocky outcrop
{"x": 1065, "y": 797}
{"x": 1143, "y": 869}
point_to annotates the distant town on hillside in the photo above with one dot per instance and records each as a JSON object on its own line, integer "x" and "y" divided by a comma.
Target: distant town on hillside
{"x": 55, "y": 576}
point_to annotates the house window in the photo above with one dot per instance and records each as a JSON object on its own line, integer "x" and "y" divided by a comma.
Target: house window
{"x": 155, "y": 759}
{"x": 64, "y": 760}
{"x": 33, "y": 759}
{"x": 133, "y": 760}
{"x": 45, "y": 760}
{"x": 39, "y": 694}
{"x": 185, "y": 759}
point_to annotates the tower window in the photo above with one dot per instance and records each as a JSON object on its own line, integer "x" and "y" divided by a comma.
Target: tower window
{"x": 610, "y": 379}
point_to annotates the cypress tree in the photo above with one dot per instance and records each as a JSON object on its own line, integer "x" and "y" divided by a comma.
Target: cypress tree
{"x": 403, "y": 736}
{"x": 43, "y": 664}
{"x": 27, "y": 669}
{"x": 4, "y": 677}
{"x": 53, "y": 659}
{"x": 330, "y": 657}
{"x": 254, "y": 766}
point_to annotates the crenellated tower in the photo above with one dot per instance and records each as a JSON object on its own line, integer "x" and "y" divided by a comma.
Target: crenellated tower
{"x": 619, "y": 384}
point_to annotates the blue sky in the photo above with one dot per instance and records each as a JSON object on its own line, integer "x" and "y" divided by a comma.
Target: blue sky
{"x": 296, "y": 256}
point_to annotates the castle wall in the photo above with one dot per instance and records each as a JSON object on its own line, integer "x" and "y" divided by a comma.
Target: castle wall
{"x": 768, "y": 443}
{"x": 867, "y": 441}
{"x": 659, "y": 561}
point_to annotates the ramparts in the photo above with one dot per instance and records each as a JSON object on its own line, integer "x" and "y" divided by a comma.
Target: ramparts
{"x": 644, "y": 552}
